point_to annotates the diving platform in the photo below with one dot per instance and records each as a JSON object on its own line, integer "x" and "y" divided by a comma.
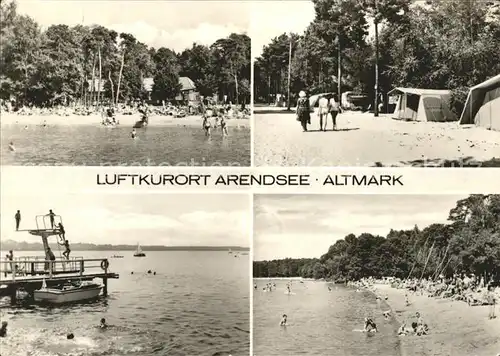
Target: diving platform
{"x": 29, "y": 273}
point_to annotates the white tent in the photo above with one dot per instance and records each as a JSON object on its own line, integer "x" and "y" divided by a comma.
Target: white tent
{"x": 422, "y": 105}
{"x": 483, "y": 105}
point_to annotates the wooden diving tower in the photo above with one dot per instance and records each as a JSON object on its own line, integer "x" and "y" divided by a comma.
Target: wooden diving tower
{"x": 28, "y": 273}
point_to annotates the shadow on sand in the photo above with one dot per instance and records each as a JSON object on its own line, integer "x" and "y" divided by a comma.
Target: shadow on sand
{"x": 338, "y": 130}
{"x": 273, "y": 111}
{"x": 467, "y": 162}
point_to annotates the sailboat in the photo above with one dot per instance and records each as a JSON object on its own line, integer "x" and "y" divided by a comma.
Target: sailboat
{"x": 138, "y": 252}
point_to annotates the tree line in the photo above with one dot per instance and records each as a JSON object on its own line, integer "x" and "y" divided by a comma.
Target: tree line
{"x": 94, "y": 64}
{"x": 469, "y": 243}
{"x": 442, "y": 44}
{"x": 80, "y": 246}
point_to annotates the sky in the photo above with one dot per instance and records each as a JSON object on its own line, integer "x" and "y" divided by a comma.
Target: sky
{"x": 172, "y": 24}
{"x": 148, "y": 219}
{"x": 305, "y": 226}
{"x": 269, "y": 19}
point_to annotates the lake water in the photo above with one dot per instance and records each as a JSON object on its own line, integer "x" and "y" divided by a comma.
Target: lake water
{"x": 196, "y": 304}
{"x": 81, "y": 145}
{"x": 320, "y": 322}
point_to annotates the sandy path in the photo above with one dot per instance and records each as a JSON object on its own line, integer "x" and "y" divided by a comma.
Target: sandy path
{"x": 455, "y": 329}
{"x": 363, "y": 140}
{"x": 125, "y": 120}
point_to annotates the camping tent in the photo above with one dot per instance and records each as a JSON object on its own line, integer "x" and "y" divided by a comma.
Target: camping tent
{"x": 483, "y": 105}
{"x": 422, "y": 105}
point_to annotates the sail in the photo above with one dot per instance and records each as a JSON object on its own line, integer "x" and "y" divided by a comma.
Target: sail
{"x": 138, "y": 250}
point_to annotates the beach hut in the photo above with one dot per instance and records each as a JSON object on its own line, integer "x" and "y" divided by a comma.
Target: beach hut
{"x": 422, "y": 105}
{"x": 482, "y": 107}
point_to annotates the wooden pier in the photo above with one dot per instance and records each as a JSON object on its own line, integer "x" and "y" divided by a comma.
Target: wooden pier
{"x": 28, "y": 273}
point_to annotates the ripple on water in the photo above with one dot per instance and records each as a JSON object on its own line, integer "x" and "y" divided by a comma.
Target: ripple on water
{"x": 95, "y": 145}
{"x": 161, "y": 321}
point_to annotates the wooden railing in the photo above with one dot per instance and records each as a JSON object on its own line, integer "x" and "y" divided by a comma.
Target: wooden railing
{"x": 38, "y": 266}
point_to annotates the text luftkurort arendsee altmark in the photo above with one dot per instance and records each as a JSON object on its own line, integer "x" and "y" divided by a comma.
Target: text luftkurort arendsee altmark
{"x": 248, "y": 180}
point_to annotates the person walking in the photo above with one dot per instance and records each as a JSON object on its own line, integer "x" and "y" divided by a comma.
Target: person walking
{"x": 323, "y": 111}
{"x": 334, "y": 107}
{"x": 303, "y": 110}
{"x": 18, "y": 220}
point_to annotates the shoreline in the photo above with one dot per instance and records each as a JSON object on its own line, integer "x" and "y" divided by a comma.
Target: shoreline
{"x": 10, "y": 119}
{"x": 455, "y": 328}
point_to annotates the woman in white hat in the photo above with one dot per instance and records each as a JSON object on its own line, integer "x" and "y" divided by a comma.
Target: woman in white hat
{"x": 303, "y": 110}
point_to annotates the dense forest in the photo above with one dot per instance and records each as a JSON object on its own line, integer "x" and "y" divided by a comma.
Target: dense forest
{"x": 439, "y": 44}
{"x": 91, "y": 64}
{"x": 469, "y": 243}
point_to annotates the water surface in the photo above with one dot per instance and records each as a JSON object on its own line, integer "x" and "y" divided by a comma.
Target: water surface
{"x": 196, "y": 304}
{"x": 320, "y": 322}
{"x": 86, "y": 145}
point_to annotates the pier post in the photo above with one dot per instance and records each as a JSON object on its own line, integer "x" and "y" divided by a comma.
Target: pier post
{"x": 13, "y": 294}
{"x": 105, "y": 289}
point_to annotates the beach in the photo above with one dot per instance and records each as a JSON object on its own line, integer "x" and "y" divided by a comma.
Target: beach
{"x": 455, "y": 329}
{"x": 366, "y": 141}
{"x": 96, "y": 119}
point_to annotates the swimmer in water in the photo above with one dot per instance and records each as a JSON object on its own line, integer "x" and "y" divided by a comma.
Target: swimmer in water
{"x": 133, "y": 134}
{"x": 386, "y": 314}
{"x": 70, "y": 336}
{"x": 3, "y": 329}
{"x": 402, "y": 330}
{"x": 223, "y": 126}
{"x": 26, "y": 127}
{"x": 12, "y": 148}
{"x": 103, "y": 324}
{"x": 283, "y": 320}
{"x": 370, "y": 325}
{"x": 44, "y": 123}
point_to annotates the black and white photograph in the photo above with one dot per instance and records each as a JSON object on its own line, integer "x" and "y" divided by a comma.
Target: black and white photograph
{"x": 124, "y": 274}
{"x": 392, "y": 275}
{"x": 376, "y": 83}
{"x": 130, "y": 83}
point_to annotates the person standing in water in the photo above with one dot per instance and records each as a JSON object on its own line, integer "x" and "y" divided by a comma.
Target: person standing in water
{"x": 223, "y": 126}
{"x": 370, "y": 326}
{"x": 206, "y": 125}
{"x": 18, "y": 219}
{"x": 283, "y": 320}
{"x": 103, "y": 324}
{"x": 133, "y": 134}
{"x": 12, "y": 148}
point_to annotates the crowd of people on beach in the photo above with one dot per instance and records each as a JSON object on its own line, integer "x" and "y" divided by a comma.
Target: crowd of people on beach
{"x": 467, "y": 288}
{"x": 176, "y": 110}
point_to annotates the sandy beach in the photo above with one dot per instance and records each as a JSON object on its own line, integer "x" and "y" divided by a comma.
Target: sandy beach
{"x": 363, "y": 140}
{"x": 455, "y": 329}
{"x": 95, "y": 120}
